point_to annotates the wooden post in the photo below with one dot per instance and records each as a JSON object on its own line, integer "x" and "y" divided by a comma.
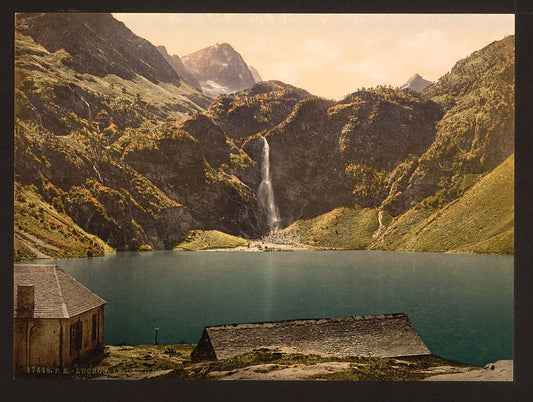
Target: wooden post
{"x": 155, "y": 339}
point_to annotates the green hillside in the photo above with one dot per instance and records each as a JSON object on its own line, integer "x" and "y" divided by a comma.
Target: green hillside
{"x": 210, "y": 239}
{"x": 475, "y": 134}
{"x": 341, "y": 228}
{"x": 43, "y": 232}
{"x": 481, "y": 221}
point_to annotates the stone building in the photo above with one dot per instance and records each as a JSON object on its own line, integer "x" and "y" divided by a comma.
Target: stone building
{"x": 57, "y": 320}
{"x": 387, "y": 335}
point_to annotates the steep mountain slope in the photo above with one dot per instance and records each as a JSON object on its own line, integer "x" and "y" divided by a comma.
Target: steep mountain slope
{"x": 427, "y": 206}
{"x": 481, "y": 221}
{"x": 77, "y": 114}
{"x": 100, "y": 82}
{"x": 474, "y": 136}
{"x": 416, "y": 83}
{"x": 220, "y": 69}
{"x": 327, "y": 154}
{"x": 190, "y": 162}
{"x": 41, "y": 231}
{"x": 97, "y": 45}
{"x": 176, "y": 63}
{"x": 136, "y": 158}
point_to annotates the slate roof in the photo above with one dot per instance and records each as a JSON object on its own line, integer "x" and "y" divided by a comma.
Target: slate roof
{"x": 386, "y": 335}
{"x": 57, "y": 294}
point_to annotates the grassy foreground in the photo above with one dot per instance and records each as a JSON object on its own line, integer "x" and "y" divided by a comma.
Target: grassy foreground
{"x": 173, "y": 362}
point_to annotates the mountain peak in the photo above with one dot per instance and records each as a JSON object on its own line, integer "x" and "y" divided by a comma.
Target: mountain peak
{"x": 416, "y": 83}
{"x": 224, "y": 46}
{"x": 220, "y": 69}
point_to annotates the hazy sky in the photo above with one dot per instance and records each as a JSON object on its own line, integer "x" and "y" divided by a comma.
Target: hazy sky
{"x": 330, "y": 55}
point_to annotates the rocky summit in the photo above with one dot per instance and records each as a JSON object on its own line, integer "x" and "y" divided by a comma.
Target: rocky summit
{"x": 220, "y": 69}
{"x": 416, "y": 83}
{"x": 116, "y": 148}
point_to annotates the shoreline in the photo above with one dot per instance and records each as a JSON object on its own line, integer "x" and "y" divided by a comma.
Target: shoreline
{"x": 255, "y": 248}
{"x": 173, "y": 361}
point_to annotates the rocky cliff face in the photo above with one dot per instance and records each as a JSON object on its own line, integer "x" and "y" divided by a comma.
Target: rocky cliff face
{"x": 219, "y": 69}
{"x": 328, "y": 154}
{"x": 134, "y": 156}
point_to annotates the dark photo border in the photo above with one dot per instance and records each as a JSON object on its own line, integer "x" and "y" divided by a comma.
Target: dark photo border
{"x": 48, "y": 390}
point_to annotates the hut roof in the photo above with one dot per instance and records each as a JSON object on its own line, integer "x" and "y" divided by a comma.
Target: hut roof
{"x": 386, "y": 335}
{"x": 56, "y": 294}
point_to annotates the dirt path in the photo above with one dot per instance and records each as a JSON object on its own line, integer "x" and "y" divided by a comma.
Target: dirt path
{"x": 26, "y": 243}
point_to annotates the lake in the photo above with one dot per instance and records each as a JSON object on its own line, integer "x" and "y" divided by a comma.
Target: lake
{"x": 461, "y": 304}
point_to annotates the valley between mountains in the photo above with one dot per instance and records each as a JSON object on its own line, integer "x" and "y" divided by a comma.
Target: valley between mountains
{"x": 121, "y": 146}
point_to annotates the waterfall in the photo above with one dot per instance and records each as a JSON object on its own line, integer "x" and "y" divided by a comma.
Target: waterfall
{"x": 266, "y": 192}
{"x": 98, "y": 174}
{"x": 381, "y": 227}
{"x": 88, "y": 107}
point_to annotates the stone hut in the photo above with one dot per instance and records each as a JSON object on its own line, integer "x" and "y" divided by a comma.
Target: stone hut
{"x": 386, "y": 335}
{"x": 57, "y": 320}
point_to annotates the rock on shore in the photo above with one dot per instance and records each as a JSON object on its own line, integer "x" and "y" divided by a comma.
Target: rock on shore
{"x": 501, "y": 370}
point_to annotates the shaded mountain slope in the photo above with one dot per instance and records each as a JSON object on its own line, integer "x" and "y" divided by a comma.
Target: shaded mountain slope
{"x": 97, "y": 44}
{"x": 52, "y": 92}
{"x": 190, "y": 162}
{"x": 72, "y": 126}
{"x": 176, "y": 63}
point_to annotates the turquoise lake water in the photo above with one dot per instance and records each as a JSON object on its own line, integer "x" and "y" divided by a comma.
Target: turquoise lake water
{"x": 461, "y": 305}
